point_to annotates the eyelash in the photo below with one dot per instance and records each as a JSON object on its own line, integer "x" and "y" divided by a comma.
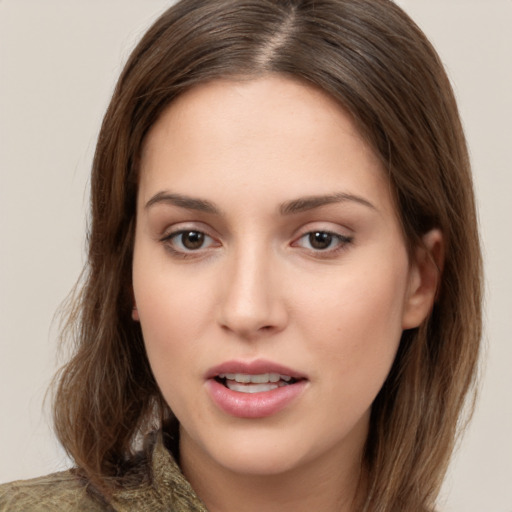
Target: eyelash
{"x": 341, "y": 243}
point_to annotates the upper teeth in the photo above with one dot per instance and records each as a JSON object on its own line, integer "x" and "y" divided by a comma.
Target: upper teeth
{"x": 255, "y": 379}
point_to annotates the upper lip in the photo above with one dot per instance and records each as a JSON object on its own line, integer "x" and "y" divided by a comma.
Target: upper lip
{"x": 256, "y": 367}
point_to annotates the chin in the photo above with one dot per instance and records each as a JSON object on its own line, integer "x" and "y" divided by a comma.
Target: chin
{"x": 260, "y": 451}
{"x": 260, "y": 462}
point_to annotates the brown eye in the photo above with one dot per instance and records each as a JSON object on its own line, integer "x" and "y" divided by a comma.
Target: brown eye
{"x": 324, "y": 243}
{"x": 189, "y": 243}
{"x": 191, "y": 240}
{"x": 320, "y": 240}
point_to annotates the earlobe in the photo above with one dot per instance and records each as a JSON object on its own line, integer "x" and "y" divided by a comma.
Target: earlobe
{"x": 424, "y": 279}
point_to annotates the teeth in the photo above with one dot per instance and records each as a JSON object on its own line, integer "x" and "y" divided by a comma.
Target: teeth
{"x": 262, "y": 378}
{"x": 253, "y": 388}
{"x": 246, "y": 383}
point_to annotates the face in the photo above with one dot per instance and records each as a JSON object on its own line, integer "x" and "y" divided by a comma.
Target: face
{"x": 270, "y": 274}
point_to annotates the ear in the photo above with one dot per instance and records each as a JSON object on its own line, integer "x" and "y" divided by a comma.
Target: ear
{"x": 424, "y": 278}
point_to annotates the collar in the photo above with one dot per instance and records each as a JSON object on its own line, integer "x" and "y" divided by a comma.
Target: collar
{"x": 167, "y": 489}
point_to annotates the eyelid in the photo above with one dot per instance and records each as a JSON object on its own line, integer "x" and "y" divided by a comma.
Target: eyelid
{"x": 338, "y": 236}
{"x": 172, "y": 229}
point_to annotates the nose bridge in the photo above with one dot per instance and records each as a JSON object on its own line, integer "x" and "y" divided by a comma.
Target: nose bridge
{"x": 252, "y": 301}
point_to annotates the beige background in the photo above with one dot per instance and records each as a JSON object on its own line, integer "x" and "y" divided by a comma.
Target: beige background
{"x": 59, "y": 60}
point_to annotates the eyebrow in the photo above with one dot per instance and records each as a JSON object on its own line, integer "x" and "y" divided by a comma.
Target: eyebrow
{"x": 303, "y": 204}
{"x": 294, "y": 206}
{"x": 190, "y": 203}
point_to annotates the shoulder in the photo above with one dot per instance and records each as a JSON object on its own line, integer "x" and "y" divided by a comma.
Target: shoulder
{"x": 153, "y": 483}
{"x": 62, "y": 491}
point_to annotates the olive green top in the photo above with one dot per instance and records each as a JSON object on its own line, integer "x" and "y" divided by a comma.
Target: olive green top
{"x": 165, "y": 490}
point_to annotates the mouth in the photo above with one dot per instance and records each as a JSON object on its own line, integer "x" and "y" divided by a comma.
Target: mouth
{"x": 254, "y": 383}
{"x": 254, "y": 389}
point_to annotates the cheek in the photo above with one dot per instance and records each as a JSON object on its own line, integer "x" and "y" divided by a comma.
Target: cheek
{"x": 356, "y": 327}
{"x": 172, "y": 309}
{"x": 167, "y": 298}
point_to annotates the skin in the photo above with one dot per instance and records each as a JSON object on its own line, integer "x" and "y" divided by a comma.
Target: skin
{"x": 258, "y": 289}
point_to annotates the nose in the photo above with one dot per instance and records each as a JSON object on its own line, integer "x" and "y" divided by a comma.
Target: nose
{"x": 252, "y": 302}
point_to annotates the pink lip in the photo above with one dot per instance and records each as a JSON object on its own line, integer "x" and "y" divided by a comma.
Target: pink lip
{"x": 253, "y": 405}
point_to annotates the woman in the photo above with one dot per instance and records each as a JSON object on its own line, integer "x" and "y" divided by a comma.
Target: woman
{"x": 282, "y": 303}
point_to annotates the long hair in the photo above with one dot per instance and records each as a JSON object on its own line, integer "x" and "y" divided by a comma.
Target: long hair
{"x": 369, "y": 56}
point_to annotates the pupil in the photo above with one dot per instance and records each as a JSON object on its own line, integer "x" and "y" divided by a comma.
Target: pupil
{"x": 193, "y": 239}
{"x": 320, "y": 240}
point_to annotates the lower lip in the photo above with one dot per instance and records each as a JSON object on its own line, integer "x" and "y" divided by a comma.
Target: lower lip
{"x": 253, "y": 405}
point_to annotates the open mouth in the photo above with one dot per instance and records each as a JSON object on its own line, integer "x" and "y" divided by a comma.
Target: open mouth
{"x": 248, "y": 383}
{"x": 254, "y": 389}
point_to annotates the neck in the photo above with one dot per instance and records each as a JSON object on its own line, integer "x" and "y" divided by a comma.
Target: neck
{"x": 325, "y": 484}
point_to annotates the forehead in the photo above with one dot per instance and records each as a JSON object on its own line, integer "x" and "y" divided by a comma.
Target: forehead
{"x": 256, "y": 105}
{"x": 257, "y": 133}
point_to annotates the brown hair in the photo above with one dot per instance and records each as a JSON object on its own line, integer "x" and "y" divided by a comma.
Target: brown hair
{"x": 375, "y": 61}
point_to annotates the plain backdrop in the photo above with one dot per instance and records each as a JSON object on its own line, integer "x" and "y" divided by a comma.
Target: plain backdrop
{"x": 59, "y": 61}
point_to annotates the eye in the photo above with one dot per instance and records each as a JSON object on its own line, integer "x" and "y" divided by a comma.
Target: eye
{"x": 323, "y": 241}
{"x": 188, "y": 240}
